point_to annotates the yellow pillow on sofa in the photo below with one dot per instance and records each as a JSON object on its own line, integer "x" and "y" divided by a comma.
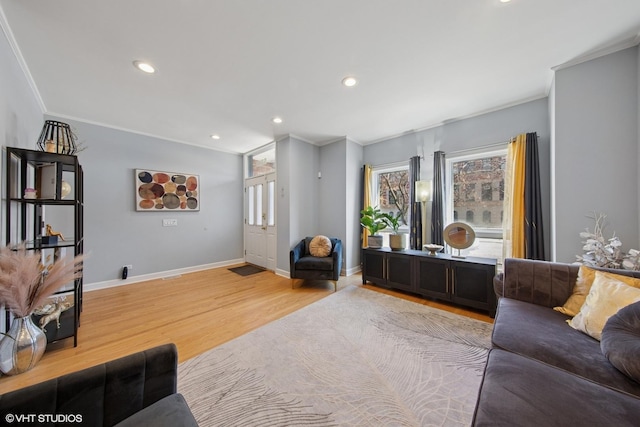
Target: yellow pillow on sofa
{"x": 606, "y": 297}
{"x": 581, "y": 289}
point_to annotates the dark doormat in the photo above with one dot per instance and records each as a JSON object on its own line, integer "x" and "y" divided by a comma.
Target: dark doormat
{"x": 247, "y": 270}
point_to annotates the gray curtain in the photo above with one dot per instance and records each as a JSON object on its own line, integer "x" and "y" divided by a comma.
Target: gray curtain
{"x": 534, "y": 237}
{"x": 415, "y": 228}
{"x": 437, "y": 207}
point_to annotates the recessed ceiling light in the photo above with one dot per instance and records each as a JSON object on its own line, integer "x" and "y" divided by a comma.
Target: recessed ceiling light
{"x": 505, "y": 1}
{"x": 277, "y": 120}
{"x": 144, "y": 66}
{"x": 215, "y": 136}
{"x": 349, "y": 81}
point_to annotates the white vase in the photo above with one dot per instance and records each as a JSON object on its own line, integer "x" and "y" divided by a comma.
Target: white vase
{"x": 398, "y": 242}
{"x": 23, "y": 347}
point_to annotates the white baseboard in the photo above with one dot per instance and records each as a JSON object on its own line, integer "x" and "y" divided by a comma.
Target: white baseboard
{"x": 177, "y": 272}
{"x": 283, "y": 273}
{"x": 160, "y": 275}
{"x": 353, "y": 271}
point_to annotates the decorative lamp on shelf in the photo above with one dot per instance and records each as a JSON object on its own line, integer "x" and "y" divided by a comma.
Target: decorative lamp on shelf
{"x": 57, "y": 137}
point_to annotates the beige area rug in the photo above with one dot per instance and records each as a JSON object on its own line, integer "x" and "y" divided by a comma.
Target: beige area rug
{"x": 356, "y": 358}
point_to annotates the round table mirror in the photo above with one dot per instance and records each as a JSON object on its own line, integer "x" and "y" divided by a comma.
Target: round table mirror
{"x": 459, "y": 235}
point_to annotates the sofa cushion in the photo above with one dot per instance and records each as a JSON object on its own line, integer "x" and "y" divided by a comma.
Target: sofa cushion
{"x": 606, "y": 297}
{"x": 171, "y": 411}
{"x": 320, "y": 246}
{"x": 621, "y": 341}
{"x": 584, "y": 282}
{"x": 580, "y": 290}
{"x": 315, "y": 263}
{"x": 543, "y": 334}
{"x": 520, "y": 391}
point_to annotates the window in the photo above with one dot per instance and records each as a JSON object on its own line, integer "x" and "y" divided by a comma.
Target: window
{"x": 262, "y": 161}
{"x": 469, "y": 217}
{"x": 476, "y": 195}
{"x": 487, "y": 192}
{"x": 470, "y": 192}
{"x": 391, "y": 186}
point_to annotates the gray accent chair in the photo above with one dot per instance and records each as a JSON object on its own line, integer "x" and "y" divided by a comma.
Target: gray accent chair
{"x": 303, "y": 265}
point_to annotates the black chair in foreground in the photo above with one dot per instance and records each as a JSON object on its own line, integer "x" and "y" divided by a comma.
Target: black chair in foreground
{"x": 135, "y": 390}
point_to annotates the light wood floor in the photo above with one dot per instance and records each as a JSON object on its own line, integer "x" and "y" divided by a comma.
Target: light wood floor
{"x": 196, "y": 311}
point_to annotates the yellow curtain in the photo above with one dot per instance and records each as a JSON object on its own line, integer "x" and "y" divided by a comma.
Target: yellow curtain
{"x": 513, "y": 218}
{"x": 367, "y": 200}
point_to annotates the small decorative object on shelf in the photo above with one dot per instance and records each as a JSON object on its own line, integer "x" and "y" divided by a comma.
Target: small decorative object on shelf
{"x": 51, "y": 311}
{"x": 30, "y": 193}
{"x": 433, "y": 248}
{"x": 52, "y": 233}
{"x": 25, "y": 285}
{"x": 65, "y": 189}
{"x": 57, "y": 137}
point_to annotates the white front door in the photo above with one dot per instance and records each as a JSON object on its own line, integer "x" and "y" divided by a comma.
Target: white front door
{"x": 260, "y": 221}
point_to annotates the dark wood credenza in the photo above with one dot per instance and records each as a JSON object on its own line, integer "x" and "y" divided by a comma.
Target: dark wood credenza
{"x": 465, "y": 281}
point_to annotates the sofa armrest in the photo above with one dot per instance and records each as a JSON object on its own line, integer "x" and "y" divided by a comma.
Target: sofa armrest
{"x": 294, "y": 255}
{"x": 102, "y": 395}
{"x": 543, "y": 283}
{"x": 498, "y": 285}
{"x": 337, "y": 258}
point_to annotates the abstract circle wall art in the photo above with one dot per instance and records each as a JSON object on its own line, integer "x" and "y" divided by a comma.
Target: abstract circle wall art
{"x": 157, "y": 191}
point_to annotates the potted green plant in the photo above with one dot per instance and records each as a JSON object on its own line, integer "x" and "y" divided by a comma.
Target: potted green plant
{"x": 373, "y": 220}
{"x": 398, "y": 239}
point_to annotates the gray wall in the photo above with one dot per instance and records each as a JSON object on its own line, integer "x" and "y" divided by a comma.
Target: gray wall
{"x": 116, "y": 234}
{"x": 596, "y": 150}
{"x": 332, "y": 206}
{"x": 20, "y": 112}
{"x": 355, "y": 154}
{"x": 298, "y": 163}
{"x": 340, "y": 193}
{"x": 21, "y": 117}
{"x": 475, "y": 132}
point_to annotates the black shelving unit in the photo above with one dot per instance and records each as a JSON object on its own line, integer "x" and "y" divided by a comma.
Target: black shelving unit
{"x": 26, "y": 217}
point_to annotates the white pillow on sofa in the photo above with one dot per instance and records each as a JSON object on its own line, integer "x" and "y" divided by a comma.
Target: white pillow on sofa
{"x": 606, "y": 297}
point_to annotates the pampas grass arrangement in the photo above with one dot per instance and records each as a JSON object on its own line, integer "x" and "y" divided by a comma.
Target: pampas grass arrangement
{"x": 25, "y": 284}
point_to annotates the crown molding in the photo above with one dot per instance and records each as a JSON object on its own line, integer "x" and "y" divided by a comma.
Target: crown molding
{"x": 123, "y": 129}
{"x": 625, "y": 44}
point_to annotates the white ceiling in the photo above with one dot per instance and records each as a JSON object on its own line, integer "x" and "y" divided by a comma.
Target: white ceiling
{"x": 227, "y": 67}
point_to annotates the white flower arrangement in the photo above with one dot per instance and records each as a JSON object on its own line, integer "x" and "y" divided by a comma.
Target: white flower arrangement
{"x": 601, "y": 252}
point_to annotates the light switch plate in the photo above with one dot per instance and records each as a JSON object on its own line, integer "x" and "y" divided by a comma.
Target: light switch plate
{"x": 169, "y": 222}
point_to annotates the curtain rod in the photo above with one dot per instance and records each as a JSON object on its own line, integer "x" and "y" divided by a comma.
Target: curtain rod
{"x": 484, "y": 147}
